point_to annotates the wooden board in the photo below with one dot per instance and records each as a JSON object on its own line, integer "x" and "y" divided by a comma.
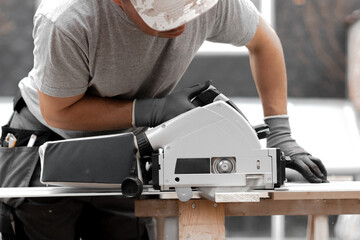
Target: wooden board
{"x": 240, "y": 197}
{"x": 266, "y": 207}
{"x": 333, "y": 190}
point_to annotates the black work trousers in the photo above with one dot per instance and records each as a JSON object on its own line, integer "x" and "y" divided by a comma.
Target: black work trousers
{"x": 72, "y": 218}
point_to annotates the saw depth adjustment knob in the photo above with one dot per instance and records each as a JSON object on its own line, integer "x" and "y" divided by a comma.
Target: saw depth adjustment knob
{"x": 223, "y": 165}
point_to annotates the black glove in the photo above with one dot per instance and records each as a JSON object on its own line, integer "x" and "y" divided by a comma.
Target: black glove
{"x": 311, "y": 168}
{"x": 152, "y": 112}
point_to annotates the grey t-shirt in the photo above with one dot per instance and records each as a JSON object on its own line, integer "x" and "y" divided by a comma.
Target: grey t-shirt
{"x": 92, "y": 46}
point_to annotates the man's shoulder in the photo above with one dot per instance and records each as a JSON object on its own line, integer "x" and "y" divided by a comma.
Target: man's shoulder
{"x": 75, "y": 18}
{"x": 56, "y": 10}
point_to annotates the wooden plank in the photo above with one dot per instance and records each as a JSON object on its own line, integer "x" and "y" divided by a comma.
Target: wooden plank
{"x": 336, "y": 186}
{"x": 348, "y": 189}
{"x": 201, "y": 220}
{"x": 240, "y": 197}
{"x": 333, "y": 190}
{"x": 156, "y": 208}
{"x": 266, "y": 207}
{"x": 315, "y": 195}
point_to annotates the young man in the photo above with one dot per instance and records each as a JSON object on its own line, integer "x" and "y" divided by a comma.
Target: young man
{"x": 105, "y": 66}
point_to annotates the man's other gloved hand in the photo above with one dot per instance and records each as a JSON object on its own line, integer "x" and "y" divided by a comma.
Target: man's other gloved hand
{"x": 152, "y": 112}
{"x": 310, "y": 167}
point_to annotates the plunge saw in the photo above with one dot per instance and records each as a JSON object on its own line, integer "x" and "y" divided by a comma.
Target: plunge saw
{"x": 208, "y": 149}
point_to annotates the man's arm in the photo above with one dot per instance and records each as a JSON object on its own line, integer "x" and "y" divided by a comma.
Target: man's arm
{"x": 268, "y": 69}
{"x": 86, "y": 112}
{"x": 92, "y": 113}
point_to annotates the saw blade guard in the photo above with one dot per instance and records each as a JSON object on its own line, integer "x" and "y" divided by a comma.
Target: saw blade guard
{"x": 207, "y": 122}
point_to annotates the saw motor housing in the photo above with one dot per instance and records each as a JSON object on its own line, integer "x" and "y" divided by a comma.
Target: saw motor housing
{"x": 212, "y": 146}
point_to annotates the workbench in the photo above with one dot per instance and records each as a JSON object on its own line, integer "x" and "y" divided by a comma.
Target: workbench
{"x": 202, "y": 219}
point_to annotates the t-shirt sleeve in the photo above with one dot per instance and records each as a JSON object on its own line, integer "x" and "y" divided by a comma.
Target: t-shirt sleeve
{"x": 236, "y": 22}
{"x": 60, "y": 65}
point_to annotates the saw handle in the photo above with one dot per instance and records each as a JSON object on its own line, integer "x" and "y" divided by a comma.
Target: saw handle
{"x": 211, "y": 95}
{"x": 206, "y": 97}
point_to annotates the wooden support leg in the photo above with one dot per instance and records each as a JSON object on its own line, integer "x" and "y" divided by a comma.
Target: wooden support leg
{"x": 318, "y": 227}
{"x": 201, "y": 220}
{"x": 160, "y": 230}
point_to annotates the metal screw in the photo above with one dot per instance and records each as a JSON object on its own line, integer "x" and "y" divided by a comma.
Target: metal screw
{"x": 193, "y": 206}
{"x": 215, "y": 205}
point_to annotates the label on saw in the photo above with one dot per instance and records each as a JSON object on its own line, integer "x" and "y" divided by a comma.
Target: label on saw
{"x": 193, "y": 166}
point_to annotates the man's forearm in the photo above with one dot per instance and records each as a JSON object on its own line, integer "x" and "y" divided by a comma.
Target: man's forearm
{"x": 269, "y": 71}
{"x": 88, "y": 113}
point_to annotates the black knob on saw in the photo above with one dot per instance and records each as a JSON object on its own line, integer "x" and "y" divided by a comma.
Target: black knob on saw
{"x": 206, "y": 97}
{"x": 262, "y": 130}
{"x": 131, "y": 187}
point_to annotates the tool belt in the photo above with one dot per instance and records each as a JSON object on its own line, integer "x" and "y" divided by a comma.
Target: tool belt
{"x": 18, "y": 161}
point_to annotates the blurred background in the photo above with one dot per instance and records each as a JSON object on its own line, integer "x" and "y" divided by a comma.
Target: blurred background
{"x": 320, "y": 40}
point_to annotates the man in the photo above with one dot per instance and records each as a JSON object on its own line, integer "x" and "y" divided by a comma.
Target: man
{"x": 105, "y": 66}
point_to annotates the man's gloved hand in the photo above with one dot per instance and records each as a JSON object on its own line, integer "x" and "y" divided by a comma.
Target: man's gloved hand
{"x": 152, "y": 112}
{"x": 280, "y": 137}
